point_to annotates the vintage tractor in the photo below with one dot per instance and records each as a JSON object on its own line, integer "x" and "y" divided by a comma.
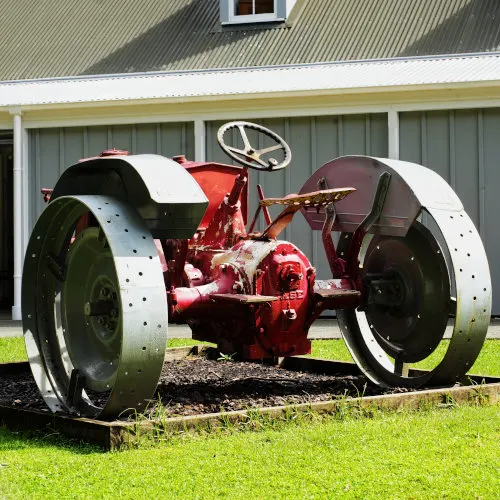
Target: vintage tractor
{"x": 130, "y": 243}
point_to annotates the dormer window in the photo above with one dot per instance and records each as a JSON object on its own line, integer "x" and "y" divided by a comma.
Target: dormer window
{"x": 254, "y": 11}
{"x": 254, "y": 7}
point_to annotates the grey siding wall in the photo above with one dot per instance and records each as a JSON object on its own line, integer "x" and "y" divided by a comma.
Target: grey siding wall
{"x": 52, "y": 150}
{"x": 314, "y": 141}
{"x": 461, "y": 145}
{"x": 464, "y": 147}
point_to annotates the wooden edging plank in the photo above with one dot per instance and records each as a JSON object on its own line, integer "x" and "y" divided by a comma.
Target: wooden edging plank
{"x": 485, "y": 394}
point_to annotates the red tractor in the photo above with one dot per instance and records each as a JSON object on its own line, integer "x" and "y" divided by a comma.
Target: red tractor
{"x": 130, "y": 243}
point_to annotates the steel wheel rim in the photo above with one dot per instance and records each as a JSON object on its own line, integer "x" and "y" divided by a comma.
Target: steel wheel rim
{"x": 124, "y": 365}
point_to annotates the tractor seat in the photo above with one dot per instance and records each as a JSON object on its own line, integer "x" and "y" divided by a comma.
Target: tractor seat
{"x": 315, "y": 199}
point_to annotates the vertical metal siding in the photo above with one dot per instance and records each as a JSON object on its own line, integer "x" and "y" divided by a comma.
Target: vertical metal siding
{"x": 52, "y": 150}
{"x": 6, "y": 225}
{"x": 314, "y": 141}
{"x": 463, "y": 147}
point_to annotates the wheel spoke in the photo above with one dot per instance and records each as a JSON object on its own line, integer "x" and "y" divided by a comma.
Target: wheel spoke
{"x": 236, "y": 150}
{"x": 260, "y": 162}
{"x": 244, "y": 136}
{"x": 56, "y": 269}
{"x": 263, "y": 151}
{"x": 75, "y": 388}
{"x": 400, "y": 368}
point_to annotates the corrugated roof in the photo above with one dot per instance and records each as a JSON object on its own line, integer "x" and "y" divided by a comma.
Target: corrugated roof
{"x": 50, "y": 38}
{"x": 333, "y": 77}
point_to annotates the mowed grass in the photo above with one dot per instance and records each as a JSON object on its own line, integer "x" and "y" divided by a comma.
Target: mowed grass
{"x": 451, "y": 452}
{"x": 432, "y": 454}
{"x": 487, "y": 363}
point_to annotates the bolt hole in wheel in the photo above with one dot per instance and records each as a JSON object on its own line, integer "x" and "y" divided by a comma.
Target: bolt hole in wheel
{"x": 81, "y": 342}
{"x": 410, "y": 289}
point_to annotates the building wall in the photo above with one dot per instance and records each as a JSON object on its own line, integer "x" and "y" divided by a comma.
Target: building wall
{"x": 52, "y": 150}
{"x": 6, "y": 223}
{"x": 463, "y": 146}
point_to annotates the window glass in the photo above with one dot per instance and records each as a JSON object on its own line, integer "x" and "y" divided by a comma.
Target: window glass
{"x": 264, "y": 6}
{"x": 243, "y": 7}
{"x": 251, "y": 7}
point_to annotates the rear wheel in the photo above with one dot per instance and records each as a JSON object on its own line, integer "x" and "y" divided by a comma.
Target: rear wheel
{"x": 411, "y": 289}
{"x": 94, "y": 307}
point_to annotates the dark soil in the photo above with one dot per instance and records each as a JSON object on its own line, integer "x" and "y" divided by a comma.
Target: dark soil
{"x": 199, "y": 385}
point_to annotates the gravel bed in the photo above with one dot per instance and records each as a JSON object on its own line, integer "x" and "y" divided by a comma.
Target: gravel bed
{"x": 197, "y": 385}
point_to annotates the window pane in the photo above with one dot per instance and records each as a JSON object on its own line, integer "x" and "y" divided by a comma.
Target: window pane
{"x": 243, "y": 7}
{"x": 264, "y": 6}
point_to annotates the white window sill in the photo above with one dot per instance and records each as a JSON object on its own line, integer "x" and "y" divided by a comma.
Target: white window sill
{"x": 262, "y": 18}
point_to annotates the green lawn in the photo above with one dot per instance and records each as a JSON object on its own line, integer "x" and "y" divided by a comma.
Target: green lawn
{"x": 487, "y": 363}
{"x": 440, "y": 453}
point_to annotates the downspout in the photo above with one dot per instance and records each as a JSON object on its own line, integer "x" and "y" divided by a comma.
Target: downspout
{"x": 199, "y": 141}
{"x": 18, "y": 211}
{"x": 393, "y": 134}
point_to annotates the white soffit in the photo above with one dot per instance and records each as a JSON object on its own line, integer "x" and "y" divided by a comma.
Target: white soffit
{"x": 308, "y": 78}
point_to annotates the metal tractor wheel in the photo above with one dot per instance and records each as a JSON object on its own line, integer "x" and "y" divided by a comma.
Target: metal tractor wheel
{"x": 412, "y": 285}
{"x": 94, "y": 307}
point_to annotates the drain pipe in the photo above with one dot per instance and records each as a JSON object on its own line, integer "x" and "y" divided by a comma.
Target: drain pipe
{"x": 18, "y": 212}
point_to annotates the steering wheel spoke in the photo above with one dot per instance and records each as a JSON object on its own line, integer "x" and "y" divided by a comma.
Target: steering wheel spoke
{"x": 237, "y": 151}
{"x": 259, "y": 161}
{"x": 244, "y": 136}
{"x": 263, "y": 151}
{"x": 250, "y": 157}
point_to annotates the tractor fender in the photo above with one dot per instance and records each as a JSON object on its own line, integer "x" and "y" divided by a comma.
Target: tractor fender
{"x": 411, "y": 187}
{"x": 166, "y": 196}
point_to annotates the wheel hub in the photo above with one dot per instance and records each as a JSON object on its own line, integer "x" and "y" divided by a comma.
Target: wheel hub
{"x": 91, "y": 309}
{"x": 408, "y": 301}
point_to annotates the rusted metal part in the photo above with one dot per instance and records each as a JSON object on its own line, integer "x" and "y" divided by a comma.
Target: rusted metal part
{"x": 242, "y": 298}
{"x": 294, "y": 203}
{"x": 269, "y": 279}
{"x": 47, "y": 193}
{"x": 105, "y": 153}
{"x": 314, "y": 199}
{"x": 265, "y": 210}
{"x": 279, "y": 223}
{"x": 337, "y": 264}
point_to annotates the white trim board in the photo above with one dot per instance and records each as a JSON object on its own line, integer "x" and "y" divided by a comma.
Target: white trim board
{"x": 251, "y": 113}
{"x": 308, "y": 79}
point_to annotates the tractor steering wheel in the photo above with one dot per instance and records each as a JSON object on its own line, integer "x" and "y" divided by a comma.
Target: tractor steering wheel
{"x": 249, "y": 156}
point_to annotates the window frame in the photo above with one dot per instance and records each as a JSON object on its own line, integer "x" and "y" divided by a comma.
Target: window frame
{"x": 232, "y": 18}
